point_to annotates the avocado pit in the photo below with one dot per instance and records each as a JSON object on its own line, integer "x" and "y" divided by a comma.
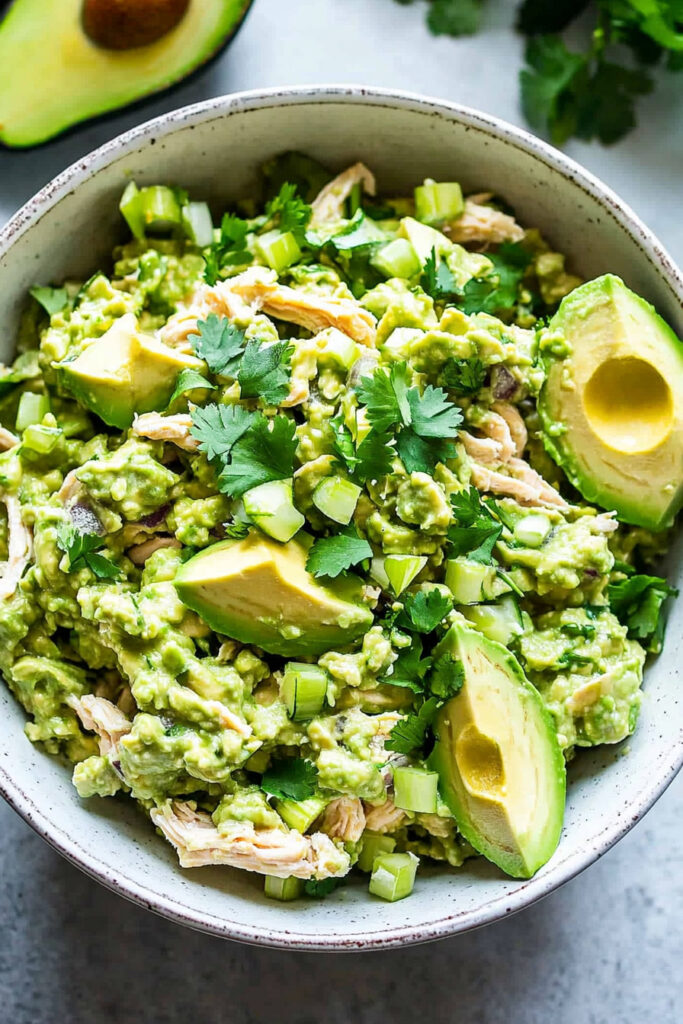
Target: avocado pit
{"x": 128, "y": 24}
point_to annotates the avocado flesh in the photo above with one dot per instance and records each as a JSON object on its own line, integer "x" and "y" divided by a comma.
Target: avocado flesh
{"x": 618, "y": 391}
{"x": 258, "y": 591}
{"x": 53, "y": 76}
{"x": 500, "y": 765}
{"x": 125, "y": 372}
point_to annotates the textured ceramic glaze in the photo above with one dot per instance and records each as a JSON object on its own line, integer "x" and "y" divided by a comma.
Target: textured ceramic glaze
{"x": 214, "y": 149}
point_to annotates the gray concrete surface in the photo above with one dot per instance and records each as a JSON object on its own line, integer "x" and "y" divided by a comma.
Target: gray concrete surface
{"x": 604, "y": 949}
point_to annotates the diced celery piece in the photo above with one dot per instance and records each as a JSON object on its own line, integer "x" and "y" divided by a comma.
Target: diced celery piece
{"x": 271, "y": 507}
{"x": 336, "y": 498}
{"x": 337, "y": 348}
{"x": 438, "y": 201}
{"x": 415, "y": 789}
{"x": 32, "y": 408}
{"x": 283, "y": 889}
{"x": 379, "y": 573}
{"x": 402, "y": 570}
{"x": 160, "y": 209}
{"x": 373, "y": 846}
{"x": 501, "y": 621}
{"x": 300, "y": 814}
{"x": 393, "y": 876}
{"x": 131, "y": 210}
{"x": 397, "y": 259}
{"x": 41, "y": 439}
{"x": 468, "y": 581}
{"x": 198, "y": 223}
{"x": 532, "y": 530}
{"x": 278, "y": 248}
{"x": 303, "y": 689}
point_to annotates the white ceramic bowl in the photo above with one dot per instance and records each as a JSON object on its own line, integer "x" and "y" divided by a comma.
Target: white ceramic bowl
{"x": 214, "y": 149}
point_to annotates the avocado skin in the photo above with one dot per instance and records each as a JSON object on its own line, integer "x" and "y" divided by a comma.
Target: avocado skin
{"x": 517, "y": 862}
{"x": 135, "y": 100}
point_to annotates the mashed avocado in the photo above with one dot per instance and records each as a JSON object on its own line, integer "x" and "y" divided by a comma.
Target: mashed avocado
{"x": 253, "y": 477}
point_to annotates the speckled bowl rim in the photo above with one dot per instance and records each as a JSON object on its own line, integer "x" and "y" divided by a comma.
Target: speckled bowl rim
{"x": 562, "y": 868}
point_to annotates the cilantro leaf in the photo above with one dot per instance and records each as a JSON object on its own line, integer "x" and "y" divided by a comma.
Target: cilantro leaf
{"x": 410, "y": 732}
{"x": 454, "y": 17}
{"x": 421, "y": 455}
{"x": 475, "y": 531}
{"x": 293, "y": 212}
{"x": 410, "y": 668}
{"x": 432, "y": 414}
{"x": 385, "y": 396}
{"x": 290, "y": 778}
{"x": 51, "y": 299}
{"x": 447, "y": 677}
{"x": 189, "y": 380}
{"x": 219, "y": 427}
{"x": 637, "y": 602}
{"x": 264, "y": 451}
{"x": 370, "y": 460}
{"x": 219, "y": 343}
{"x": 330, "y": 556}
{"x": 236, "y": 529}
{"x": 437, "y": 279}
{"x": 498, "y": 290}
{"x": 81, "y": 550}
{"x": 464, "y": 376}
{"x": 264, "y": 371}
{"x": 230, "y": 250}
{"x": 424, "y": 610}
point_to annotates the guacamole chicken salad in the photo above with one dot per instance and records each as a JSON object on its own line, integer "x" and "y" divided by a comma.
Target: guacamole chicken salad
{"x": 330, "y": 531}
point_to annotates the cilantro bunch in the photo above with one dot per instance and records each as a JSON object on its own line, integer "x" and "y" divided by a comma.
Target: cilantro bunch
{"x": 591, "y": 94}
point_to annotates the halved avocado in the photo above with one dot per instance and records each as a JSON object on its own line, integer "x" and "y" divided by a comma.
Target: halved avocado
{"x": 500, "y": 765}
{"x": 124, "y": 372}
{"x": 53, "y": 75}
{"x": 258, "y": 591}
{"x": 612, "y": 402}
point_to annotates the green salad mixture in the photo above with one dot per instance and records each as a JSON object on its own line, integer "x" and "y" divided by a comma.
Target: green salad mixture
{"x": 300, "y": 542}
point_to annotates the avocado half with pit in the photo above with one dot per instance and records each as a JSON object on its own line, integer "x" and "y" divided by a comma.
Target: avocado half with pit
{"x": 612, "y": 402}
{"x": 65, "y": 61}
{"x": 259, "y": 592}
{"x": 501, "y": 769}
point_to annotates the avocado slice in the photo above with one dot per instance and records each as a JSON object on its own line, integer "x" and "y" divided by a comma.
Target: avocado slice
{"x": 258, "y": 591}
{"x": 53, "y": 75}
{"x": 124, "y": 372}
{"x": 612, "y": 402}
{"x": 500, "y": 765}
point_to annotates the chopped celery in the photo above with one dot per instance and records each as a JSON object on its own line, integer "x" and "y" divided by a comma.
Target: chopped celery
{"x": 532, "y": 530}
{"x": 160, "y": 209}
{"x": 373, "y": 846}
{"x": 438, "y": 201}
{"x": 379, "y": 573}
{"x": 32, "y": 408}
{"x": 336, "y": 498}
{"x": 198, "y": 223}
{"x": 471, "y": 582}
{"x": 271, "y": 507}
{"x": 397, "y": 259}
{"x": 303, "y": 689}
{"x": 415, "y": 789}
{"x": 283, "y": 889}
{"x": 278, "y": 248}
{"x": 337, "y": 348}
{"x": 401, "y": 570}
{"x": 393, "y": 875}
{"x": 300, "y": 814}
{"x": 501, "y": 621}
{"x": 41, "y": 439}
{"x": 131, "y": 210}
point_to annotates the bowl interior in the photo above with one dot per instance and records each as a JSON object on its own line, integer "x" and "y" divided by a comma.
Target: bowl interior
{"x": 215, "y": 151}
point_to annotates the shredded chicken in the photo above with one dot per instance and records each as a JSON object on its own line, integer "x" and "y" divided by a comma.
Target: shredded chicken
{"x": 524, "y": 484}
{"x": 516, "y": 426}
{"x": 482, "y": 224}
{"x": 605, "y": 523}
{"x": 385, "y": 818}
{"x": 139, "y": 553}
{"x": 344, "y": 819}
{"x": 328, "y": 205}
{"x": 270, "y": 851}
{"x": 228, "y": 718}
{"x": 7, "y": 439}
{"x": 167, "y": 428}
{"x": 71, "y": 488}
{"x": 20, "y": 548}
{"x": 97, "y": 714}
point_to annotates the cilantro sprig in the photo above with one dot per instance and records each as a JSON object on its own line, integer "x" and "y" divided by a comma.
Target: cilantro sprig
{"x": 219, "y": 343}
{"x": 291, "y": 778}
{"x": 464, "y": 376}
{"x": 264, "y": 371}
{"x": 475, "y": 531}
{"x": 290, "y": 211}
{"x": 229, "y": 251}
{"x": 82, "y": 551}
{"x": 331, "y": 556}
{"x": 369, "y": 460}
{"x": 638, "y": 603}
